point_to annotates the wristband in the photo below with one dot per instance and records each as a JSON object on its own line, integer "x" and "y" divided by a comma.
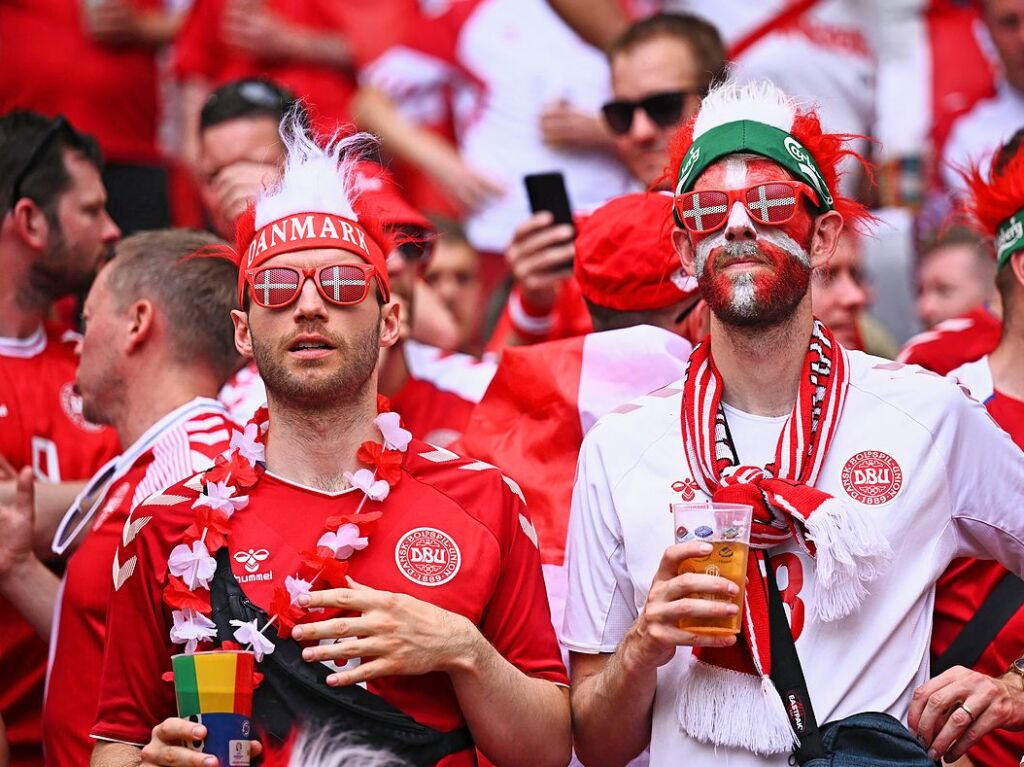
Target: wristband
{"x": 526, "y": 323}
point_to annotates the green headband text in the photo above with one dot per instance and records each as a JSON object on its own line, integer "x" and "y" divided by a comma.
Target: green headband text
{"x": 1009, "y": 238}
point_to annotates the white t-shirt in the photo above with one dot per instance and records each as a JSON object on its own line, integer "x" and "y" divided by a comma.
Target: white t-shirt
{"x": 500, "y": 62}
{"x": 946, "y": 483}
{"x": 977, "y": 135}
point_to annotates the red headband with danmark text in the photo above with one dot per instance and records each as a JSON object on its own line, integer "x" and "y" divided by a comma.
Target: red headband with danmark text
{"x": 308, "y": 231}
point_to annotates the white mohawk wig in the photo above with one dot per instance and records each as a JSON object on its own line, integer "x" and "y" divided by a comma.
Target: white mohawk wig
{"x": 315, "y": 178}
{"x": 761, "y": 101}
{"x": 326, "y": 750}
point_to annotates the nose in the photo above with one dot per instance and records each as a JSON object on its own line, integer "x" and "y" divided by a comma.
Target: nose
{"x": 642, "y": 128}
{"x": 852, "y": 294}
{"x": 111, "y": 231}
{"x": 310, "y": 304}
{"x": 739, "y": 226}
{"x": 925, "y": 310}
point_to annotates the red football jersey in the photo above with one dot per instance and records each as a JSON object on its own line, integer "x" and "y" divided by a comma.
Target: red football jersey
{"x": 185, "y": 441}
{"x": 202, "y": 52}
{"x": 50, "y": 65}
{"x": 962, "y": 590}
{"x": 41, "y": 425}
{"x": 950, "y": 344}
{"x": 454, "y": 533}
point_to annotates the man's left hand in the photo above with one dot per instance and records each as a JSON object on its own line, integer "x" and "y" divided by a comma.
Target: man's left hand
{"x": 397, "y": 635}
{"x": 951, "y": 712}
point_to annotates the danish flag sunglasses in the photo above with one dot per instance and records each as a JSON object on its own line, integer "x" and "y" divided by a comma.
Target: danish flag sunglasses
{"x": 274, "y": 287}
{"x": 773, "y": 203}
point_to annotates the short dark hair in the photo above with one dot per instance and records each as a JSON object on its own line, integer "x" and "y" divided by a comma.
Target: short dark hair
{"x": 32, "y": 149}
{"x": 1007, "y": 152}
{"x": 604, "y": 318}
{"x": 196, "y": 295}
{"x": 699, "y": 34}
{"x": 250, "y": 97}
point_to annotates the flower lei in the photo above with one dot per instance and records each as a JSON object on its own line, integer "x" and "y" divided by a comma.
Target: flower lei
{"x": 191, "y": 564}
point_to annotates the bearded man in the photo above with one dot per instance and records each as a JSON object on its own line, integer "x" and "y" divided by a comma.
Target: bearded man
{"x": 866, "y": 478}
{"x": 443, "y": 618}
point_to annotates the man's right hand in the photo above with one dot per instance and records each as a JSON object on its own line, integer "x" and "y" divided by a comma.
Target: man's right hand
{"x": 654, "y": 637}
{"x": 540, "y": 257}
{"x": 17, "y": 520}
{"x": 236, "y": 185}
{"x": 167, "y": 746}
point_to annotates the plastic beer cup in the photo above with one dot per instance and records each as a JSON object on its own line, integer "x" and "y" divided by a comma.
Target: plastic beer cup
{"x": 214, "y": 689}
{"x": 726, "y": 526}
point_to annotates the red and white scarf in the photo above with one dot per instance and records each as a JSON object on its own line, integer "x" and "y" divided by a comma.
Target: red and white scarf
{"x": 727, "y": 697}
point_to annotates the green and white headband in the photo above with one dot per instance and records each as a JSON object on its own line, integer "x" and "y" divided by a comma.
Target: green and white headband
{"x": 755, "y": 138}
{"x": 1009, "y": 238}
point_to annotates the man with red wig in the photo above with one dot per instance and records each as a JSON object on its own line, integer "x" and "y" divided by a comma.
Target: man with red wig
{"x": 865, "y": 477}
{"x": 386, "y": 587}
{"x": 996, "y": 199}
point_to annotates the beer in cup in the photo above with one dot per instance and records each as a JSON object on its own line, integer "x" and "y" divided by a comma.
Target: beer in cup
{"x": 726, "y": 526}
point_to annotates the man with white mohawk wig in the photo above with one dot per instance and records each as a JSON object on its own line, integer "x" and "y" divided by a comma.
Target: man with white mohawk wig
{"x": 866, "y": 478}
{"x": 386, "y": 588}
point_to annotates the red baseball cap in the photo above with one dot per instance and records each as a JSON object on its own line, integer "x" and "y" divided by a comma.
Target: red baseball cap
{"x": 381, "y": 198}
{"x": 624, "y": 255}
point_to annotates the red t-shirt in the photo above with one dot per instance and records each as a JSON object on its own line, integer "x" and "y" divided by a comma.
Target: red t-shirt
{"x": 41, "y": 425}
{"x": 962, "y": 590}
{"x": 954, "y": 342}
{"x": 51, "y": 66}
{"x": 465, "y": 514}
{"x": 202, "y": 52}
{"x": 441, "y": 391}
{"x": 185, "y": 441}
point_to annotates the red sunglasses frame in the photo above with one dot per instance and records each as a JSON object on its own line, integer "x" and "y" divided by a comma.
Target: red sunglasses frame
{"x": 305, "y": 273}
{"x": 740, "y": 195}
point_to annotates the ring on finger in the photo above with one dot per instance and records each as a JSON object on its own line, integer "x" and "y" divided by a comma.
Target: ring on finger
{"x": 966, "y": 710}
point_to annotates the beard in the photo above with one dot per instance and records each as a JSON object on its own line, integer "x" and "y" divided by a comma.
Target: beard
{"x": 753, "y": 300}
{"x": 59, "y": 272}
{"x": 310, "y": 388}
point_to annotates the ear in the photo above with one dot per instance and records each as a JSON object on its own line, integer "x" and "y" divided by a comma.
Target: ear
{"x": 684, "y": 249}
{"x": 243, "y": 339}
{"x": 141, "y": 323}
{"x": 825, "y": 237}
{"x": 390, "y": 324}
{"x": 31, "y": 224}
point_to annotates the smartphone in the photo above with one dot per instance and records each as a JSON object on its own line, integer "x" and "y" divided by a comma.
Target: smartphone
{"x": 547, "y": 192}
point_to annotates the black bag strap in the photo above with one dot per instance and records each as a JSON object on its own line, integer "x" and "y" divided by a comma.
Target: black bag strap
{"x": 788, "y": 676}
{"x": 980, "y": 631}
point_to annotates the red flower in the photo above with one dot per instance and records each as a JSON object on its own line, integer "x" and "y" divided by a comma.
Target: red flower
{"x": 383, "y": 404}
{"x": 387, "y": 463}
{"x": 325, "y": 567}
{"x": 178, "y": 596}
{"x": 237, "y": 470}
{"x": 261, "y": 416}
{"x": 216, "y": 524}
{"x": 367, "y": 521}
{"x": 287, "y": 613}
{"x": 229, "y": 645}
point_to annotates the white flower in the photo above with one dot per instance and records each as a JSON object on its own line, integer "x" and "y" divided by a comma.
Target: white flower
{"x": 193, "y": 565}
{"x": 190, "y": 628}
{"x": 297, "y": 587}
{"x": 375, "y": 490}
{"x": 395, "y": 437}
{"x": 221, "y": 496}
{"x": 345, "y": 542}
{"x": 248, "y": 445}
{"x": 247, "y": 634}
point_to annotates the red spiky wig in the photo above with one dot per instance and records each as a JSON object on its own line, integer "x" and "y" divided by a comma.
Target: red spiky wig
{"x": 997, "y": 192}
{"x": 764, "y": 102}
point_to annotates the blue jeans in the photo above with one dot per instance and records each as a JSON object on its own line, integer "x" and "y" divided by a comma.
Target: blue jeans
{"x": 870, "y": 740}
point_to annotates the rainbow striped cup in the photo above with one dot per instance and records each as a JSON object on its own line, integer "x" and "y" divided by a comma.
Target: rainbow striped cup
{"x": 214, "y": 689}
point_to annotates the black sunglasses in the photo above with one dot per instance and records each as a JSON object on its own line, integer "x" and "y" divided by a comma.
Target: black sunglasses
{"x": 664, "y": 109}
{"x": 58, "y": 126}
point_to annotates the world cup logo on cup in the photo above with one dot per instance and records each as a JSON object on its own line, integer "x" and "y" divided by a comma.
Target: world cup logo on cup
{"x": 215, "y": 689}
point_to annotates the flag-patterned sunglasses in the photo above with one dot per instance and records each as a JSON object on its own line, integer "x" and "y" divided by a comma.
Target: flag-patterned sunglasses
{"x": 772, "y": 203}
{"x": 274, "y": 287}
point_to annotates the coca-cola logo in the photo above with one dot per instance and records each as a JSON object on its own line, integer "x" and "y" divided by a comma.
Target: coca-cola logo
{"x": 427, "y": 556}
{"x": 872, "y": 477}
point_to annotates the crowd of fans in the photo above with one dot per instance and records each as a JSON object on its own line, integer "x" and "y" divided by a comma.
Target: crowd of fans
{"x": 135, "y": 138}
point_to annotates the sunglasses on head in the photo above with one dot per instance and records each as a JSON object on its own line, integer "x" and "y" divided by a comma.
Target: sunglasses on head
{"x": 664, "y": 109}
{"x": 772, "y": 203}
{"x": 274, "y": 287}
{"x": 58, "y": 126}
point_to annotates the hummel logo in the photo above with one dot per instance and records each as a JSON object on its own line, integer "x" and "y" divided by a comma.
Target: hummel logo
{"x": 251, "y": 558}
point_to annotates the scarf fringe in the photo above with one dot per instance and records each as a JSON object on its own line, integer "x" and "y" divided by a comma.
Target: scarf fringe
{"x": 849, "y": 554}
{"x": 723, "y": 707}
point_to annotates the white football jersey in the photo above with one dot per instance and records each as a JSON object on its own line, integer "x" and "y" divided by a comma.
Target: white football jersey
{"x": 922, "y": 459}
